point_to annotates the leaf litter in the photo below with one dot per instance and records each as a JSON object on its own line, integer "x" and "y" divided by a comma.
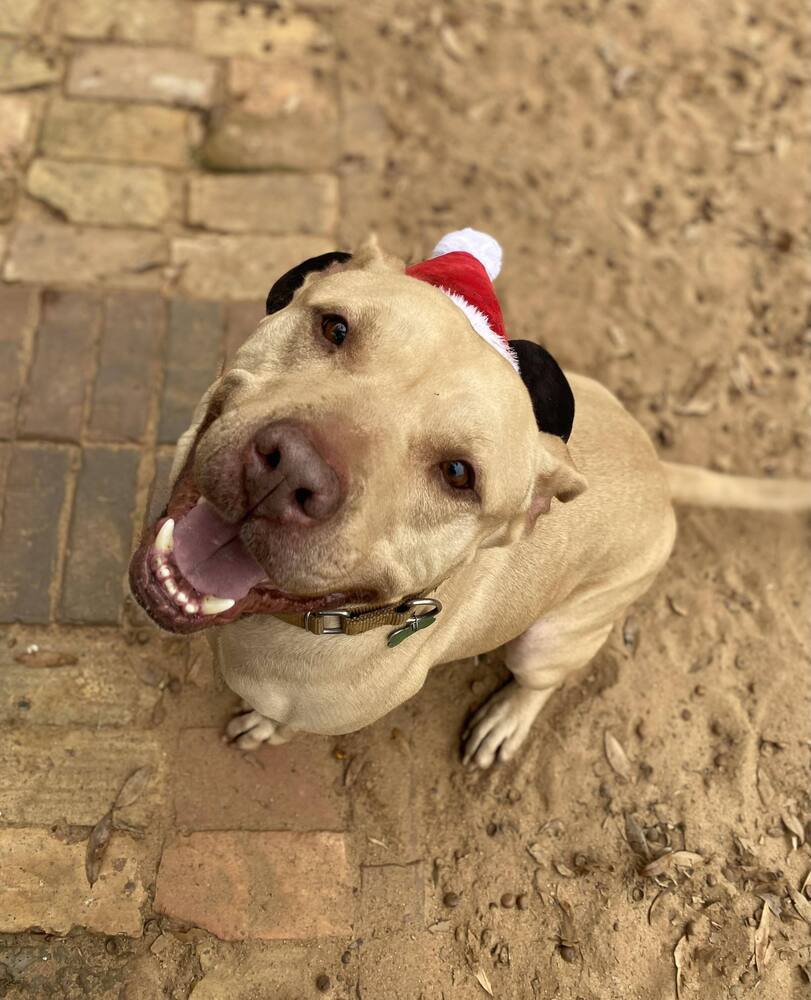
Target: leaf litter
{"x": 616, "y": 756}
{"x": 100, "y": 835}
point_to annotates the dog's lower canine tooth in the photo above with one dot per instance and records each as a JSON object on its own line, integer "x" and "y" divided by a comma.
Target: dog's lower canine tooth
{"x": 165, "y": 541}
{"x": 211, "y": 605}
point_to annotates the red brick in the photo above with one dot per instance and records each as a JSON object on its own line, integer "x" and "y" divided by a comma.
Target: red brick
{"x": 295, "y": 786}
{"x": 18, "y": 314}
{"x": 149, "y": 74}
{"x": 192, "y": 364}
{"x": 241, "y": 319}
{"x": 268, "y": 886}
{"x": 101, "y": 535}
{"x": 64, "y": 360}
{"x": 29, "y": 539}
{"x": 134, "y": 326}
{"x": 45, "y": 886}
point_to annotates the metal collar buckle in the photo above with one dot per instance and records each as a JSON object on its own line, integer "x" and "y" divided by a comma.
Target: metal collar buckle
{"x": 314, "y": 622}
{"x": 418, "y": 620}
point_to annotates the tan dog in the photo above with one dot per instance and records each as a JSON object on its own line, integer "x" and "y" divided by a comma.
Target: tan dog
{"x": 366, "y": 447}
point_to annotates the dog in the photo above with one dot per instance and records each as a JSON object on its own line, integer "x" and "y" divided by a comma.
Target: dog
{"x": 371, "y": 489}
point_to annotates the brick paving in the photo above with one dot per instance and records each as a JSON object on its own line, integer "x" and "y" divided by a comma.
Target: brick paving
{"x": 154, "y": 179}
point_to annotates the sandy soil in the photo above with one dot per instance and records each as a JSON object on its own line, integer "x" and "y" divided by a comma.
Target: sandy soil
{"x": 645, "y": 167}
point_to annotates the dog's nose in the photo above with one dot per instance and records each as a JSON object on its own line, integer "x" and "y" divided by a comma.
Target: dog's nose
{"x": 287, "y": 478}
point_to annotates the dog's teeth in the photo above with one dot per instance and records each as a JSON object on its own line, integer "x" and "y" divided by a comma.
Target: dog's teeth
{"x": 211, "y": 605}
{"x": 180, "y": 598}
{"x": 170, "y": 587}
{"x": 164, "y": 543}
{"x": 164, "y": 572}
{"x": 191, "y": 608}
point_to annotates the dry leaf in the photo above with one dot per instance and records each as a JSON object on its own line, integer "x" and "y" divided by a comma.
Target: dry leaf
{"x": 765, "y": 788}
{"x": 133, "y": 788}
{"x": 804, "y": 888}
{"x": 484, "y": 982}
{"x": 793, "y": 825}
{"x": 36, "y": 657}
{"x": 673, "y": 859}
{"x": 376, "y": 842}
{"x": 678, "y": 959}
{"x": 567, "y": 934}
{"x": 439, "y": 927}
{"x": 617, "y": 757}
{"x": 694, "y": 408}
{"x": 635, "y": 836}
{"x": 535, "y": 852}
{"x": 762, "y": 939}
{"x": 801, "y": 904}
{"x": 563, "y": 870}
{"x": 97, "y": 845}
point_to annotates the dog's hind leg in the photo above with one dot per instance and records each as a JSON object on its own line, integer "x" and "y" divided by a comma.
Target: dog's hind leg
{"x": 250, "y": 729}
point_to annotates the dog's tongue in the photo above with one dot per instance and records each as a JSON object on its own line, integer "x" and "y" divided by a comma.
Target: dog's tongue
{"x": 210, "y": 555}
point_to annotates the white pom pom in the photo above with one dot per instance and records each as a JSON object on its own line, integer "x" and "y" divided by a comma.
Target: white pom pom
{"x": 483, "y": 247}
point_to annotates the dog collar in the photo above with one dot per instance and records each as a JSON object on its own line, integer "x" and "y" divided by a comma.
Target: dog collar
{"x": 408, "y": 617}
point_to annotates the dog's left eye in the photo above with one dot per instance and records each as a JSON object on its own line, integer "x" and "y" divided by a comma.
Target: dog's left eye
{"x": 334, "y": 328}
{"x": 458, "y": 474}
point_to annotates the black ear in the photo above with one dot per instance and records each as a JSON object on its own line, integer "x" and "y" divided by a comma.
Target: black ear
{"x": 551, "y": 394}
{"x": 283, "y": 290}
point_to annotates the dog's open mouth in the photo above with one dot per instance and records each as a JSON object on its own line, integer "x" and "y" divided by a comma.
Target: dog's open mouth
{"x": 192, "y": 571}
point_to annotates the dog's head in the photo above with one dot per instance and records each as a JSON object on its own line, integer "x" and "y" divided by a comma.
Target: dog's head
{"x": 363, "y": 443}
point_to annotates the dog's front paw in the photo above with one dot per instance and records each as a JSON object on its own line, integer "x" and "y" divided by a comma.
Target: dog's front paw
{"x": 501, "y": 725}
{"x": 251, "y": 729}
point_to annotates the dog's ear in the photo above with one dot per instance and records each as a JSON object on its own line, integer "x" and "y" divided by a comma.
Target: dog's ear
{"x": 557, "y": 477}
{"x": 285, "y": 288}
{"x": 549, "y": 390}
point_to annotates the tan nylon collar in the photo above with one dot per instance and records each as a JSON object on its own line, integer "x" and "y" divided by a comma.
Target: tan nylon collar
{"x": 407, "y": 617}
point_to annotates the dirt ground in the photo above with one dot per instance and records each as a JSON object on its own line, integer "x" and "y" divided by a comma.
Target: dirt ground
{"x": 645, "y": 167}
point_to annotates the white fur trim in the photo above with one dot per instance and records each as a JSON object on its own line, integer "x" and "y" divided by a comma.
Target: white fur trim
{"x": 483, "y": 247}
{"x": 481, "y": 325}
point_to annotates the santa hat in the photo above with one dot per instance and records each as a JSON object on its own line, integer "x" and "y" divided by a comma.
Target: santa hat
{"x": 464, "y": 266}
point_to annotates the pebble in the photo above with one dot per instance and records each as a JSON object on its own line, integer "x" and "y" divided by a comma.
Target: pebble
{"x": 686, "y": 714}
{"x": 492, "y": 829}
{"x": 111, "y": 946}
{"x": 522, "y": 902}
{"x": 711, "y": 880}
{"x": 568, "y": 953}
{"x": 346, "y": 958}
{"x": 637, "y": 894}
{"x": 323, "y": 983}
{"x": 508, "y": 900}
{"x": 450, "y": 899}
{"x": 486, "y": 937}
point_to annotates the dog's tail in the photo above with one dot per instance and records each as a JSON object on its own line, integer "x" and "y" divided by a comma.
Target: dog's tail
{"x": 690, "y": 484}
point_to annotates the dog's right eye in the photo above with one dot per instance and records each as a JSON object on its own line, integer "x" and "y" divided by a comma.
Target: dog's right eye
{"x": 334, "y": 329}
{"x": 458, "y": 474}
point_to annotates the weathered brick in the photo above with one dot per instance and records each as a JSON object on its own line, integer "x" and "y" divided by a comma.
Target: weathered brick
{"x": 145, "y": 21}
{"x": 8, "y": 197}
{"x": 64, "y": 359}
{"x": 291, "y": 139}
{"x": 295, "y": 786}
{"x": 193, "y": 358}
{"x": 129, "y": 360}
{"x": 100, "y": 537}
{"x": 365, "y": 132}
{"x": 272, "y": 203}
{"x": 268, "y": 886}
{"x": 16, "y": 113}
{"x": 130, "y": 133}
{"x": 44, "y": 252}
{"x": 103, "y": 194}
{"x": 29, "y": 540}
{"x": 45, "y": 886}
{"x": 23, "y": 67}
{"x": 390, "y": 967}
{"x": 305, "y": 86}
{"x": 104, "y": 687}
{"x": 392, "y": 898}
{"x": 240, "y": 267}
{"x": 17, "y": 16}
{"x": 241, "y": 319}
{"x": 162, "y": 75}
{"x": 51, "y": 775}
{"x": 18, "y": 316}
{"x": 227, "y": 29}
{"x": 281, "y": 970}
